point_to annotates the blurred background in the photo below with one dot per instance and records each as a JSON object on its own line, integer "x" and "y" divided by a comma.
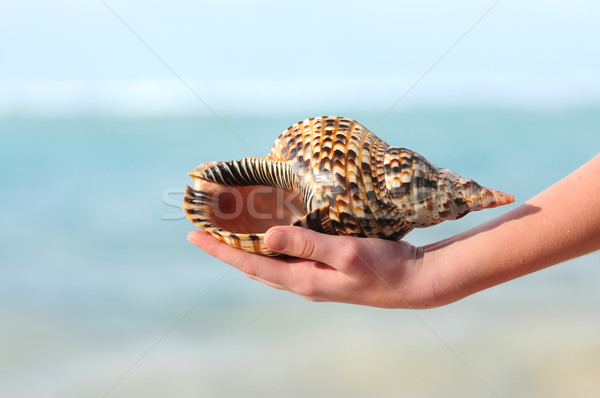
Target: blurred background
{"x": 104, "y": 107}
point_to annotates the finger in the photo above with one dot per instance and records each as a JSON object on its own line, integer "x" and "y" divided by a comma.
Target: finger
{"x": 218, "y": 249}
{"x": 303, "y": 243}
{"x": 280, "y": 287}
{"x": 270, "y": 284}
{"x": 268, "y": 269}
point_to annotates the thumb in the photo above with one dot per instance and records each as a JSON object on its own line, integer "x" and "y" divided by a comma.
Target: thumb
{"x": 301, "y": 242}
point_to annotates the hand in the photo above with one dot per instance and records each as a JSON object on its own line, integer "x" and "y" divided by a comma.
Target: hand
{"x": 372, "y": 272}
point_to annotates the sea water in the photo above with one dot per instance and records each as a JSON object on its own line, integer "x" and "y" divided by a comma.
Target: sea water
{"x": 102, "y": 295}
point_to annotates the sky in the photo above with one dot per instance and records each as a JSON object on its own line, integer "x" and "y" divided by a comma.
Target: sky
{"x": 172, "y": 56}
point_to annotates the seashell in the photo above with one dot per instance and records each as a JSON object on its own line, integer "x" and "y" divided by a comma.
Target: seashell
{"x": 332, "y": 175}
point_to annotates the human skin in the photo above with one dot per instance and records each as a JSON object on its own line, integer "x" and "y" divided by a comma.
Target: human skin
{"x": 560, "y": 223}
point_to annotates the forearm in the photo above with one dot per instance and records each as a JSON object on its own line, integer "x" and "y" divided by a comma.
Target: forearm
{"x": 560, "y": 223}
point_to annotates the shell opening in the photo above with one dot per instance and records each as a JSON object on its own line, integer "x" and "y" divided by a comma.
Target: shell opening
{"x": 247, "y": 209}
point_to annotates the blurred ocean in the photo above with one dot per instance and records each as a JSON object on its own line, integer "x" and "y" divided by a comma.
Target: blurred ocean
{"x": 95, "y": 269}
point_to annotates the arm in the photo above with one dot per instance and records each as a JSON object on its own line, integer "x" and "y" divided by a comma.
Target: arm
{"x": 560, "y": 223}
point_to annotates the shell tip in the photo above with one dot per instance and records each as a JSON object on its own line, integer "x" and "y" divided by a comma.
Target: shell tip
{"x": 501, "y": 198}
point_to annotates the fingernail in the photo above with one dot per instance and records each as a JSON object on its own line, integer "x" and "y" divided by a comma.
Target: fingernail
{"x": 276, "y": 240}
{"x": 190, "y": 237}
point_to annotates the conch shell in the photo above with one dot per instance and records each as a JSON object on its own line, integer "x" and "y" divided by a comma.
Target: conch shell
{"x": 332, "y": 175}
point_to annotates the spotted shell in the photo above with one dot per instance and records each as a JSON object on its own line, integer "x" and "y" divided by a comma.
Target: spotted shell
{"x": 332, "y": 175}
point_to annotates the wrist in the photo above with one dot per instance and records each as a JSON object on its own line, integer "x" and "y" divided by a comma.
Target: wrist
{"x": 442, "y": 266}
{"x": 423, "y": 285}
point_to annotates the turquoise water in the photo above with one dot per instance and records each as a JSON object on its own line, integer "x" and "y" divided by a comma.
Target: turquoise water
{"x": 96, "y": 268}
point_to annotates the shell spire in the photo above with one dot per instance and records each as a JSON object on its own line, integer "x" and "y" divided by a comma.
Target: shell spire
{"x": 461, "y": 195}
{"x": 429, "y": 195}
